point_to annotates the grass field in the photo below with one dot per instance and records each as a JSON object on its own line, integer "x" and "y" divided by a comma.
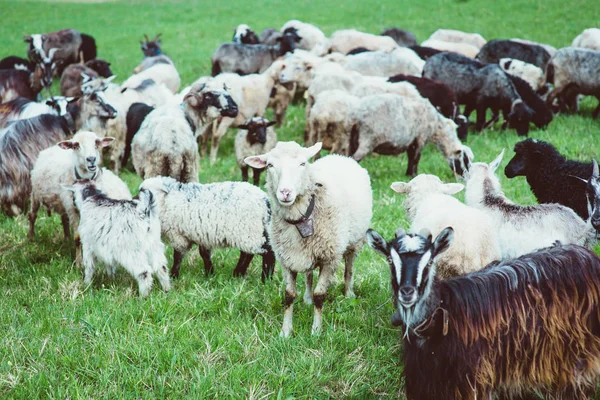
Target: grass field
{"x": 219, "y": 336}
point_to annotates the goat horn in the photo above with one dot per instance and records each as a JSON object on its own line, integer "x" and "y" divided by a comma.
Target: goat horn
{"x": 156, "y": 37}
{"x": 595, "y": 171}
{"x": 576, "y": 177}
{"x": 146, "y": 37}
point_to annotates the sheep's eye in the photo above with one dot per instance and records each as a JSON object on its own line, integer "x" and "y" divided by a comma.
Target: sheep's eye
{"x": 269, "y": 165}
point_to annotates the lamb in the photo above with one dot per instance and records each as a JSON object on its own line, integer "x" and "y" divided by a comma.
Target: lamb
{"x": 18, "y": 63}
{"x": 166, "y": 141}
{"x": 254, "y": 137}
{"x": 528, "y": 72}
{"x": 400, "y": 36}
{"x": 217, "y": 215}
{"x": 62, "y": 164}
{"x": 379, "y": 63}
{"x": 23, "y": 140}
{"x": 250, "y": 59}
{"x": 309, "y": 34}
{"x": 521, "y": 229}
{"x": 494, "y": 50}
{"x": 320, "y": 213}
{"x": 244, "y": 35}
{"x": 451, "y": 35}
{"x": 550, "y": 174}
{"x": 135, "y": 116}
{"x": 121, "y": 232}
{"x": 345, "y": 40}
{"x": 22, "y": 108}
{"x": 461, "y": 48}
{"x": 574, "y": 71}
{"x": 588, "y": 39}
{"x": 390, "y": 124}
{"x": 429, "y": 205}
{"x": 499, "y": 332}
{"x": 151, "y": 48}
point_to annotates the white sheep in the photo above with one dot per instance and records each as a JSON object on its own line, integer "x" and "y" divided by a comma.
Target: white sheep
{"x": 429, "y": 205}
{"x": 530, "y": 73}
{"x": 255, "y": 137}
{"x": 380, "y": 63}
{"x": 120, "y": 232}
{"x": 321, "y": 212}
{"x": 348, "y": 39}
{"x": 391, "y": 124}
{"x": 588, "y": 39}
{"x": 217, "y": 215}
{"x": 163, "y": 73}
{"x": 465, "y": 49}
{"x": 310, "y": 34}
{"x": 521, "y": 229}
{"x": 452, "y": 35}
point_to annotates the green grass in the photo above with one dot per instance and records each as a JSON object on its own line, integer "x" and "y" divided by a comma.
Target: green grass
{"x": 219, "y": 336}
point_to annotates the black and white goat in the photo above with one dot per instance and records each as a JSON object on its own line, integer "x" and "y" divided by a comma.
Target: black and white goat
{"x": 22, "y": 108}
{"x": 72, "y": 46}
{"x": 526, "y": 324}
{"x": 14, "y": 62}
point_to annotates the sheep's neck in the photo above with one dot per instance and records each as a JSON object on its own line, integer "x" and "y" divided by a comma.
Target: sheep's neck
{"x": 444, "y": 142}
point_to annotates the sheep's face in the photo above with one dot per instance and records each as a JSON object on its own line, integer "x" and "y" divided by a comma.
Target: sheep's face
{"x": 519, "y": 118}
{"x": 593, "y": 196}
{"x": 411, "y": 261}
{"x": 257, "y": 130}
{"x": 460, "y": 160}
{"x": 286, "y": 170}
{"x": 86, "y": 152}
{"x": 462, "y": 129}
{"x": 524, "y": 157}
{"x": 101, "y": 106}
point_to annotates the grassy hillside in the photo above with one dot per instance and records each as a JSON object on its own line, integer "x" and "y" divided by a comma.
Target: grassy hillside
{"x": 219, "y": 336}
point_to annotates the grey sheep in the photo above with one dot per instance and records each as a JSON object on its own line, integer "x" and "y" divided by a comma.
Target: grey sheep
{"x": 494, "y": 50}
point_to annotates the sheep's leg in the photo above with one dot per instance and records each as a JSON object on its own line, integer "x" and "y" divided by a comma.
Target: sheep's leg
{"x": 309, "y": 104}
{"x": 256, "y": 176}
{"x": 35, "y": 206}
{"x": 163, "y": 277}
{"x": 493, "y": 120}
{"x": 279, "y": 115}
{"x": 144, "y": 281}
{"x": 468, "y": 110}
{"x": 414, "y": 155}
{"x": 268, "y": 265}
{"x": 244, "y": 174}
{"x": 177, "y": 259}
{"x": 349, "y": 257}
{"x": 319, "y": 295}
{"x": 78, "y": 252}
{"x": 216, "y": 138}
{"x": 243, "y": 263}
{"x": 288, "y": 305}
{"x": 308, "y": 292}
{"x": 89, "y": 267}
{"x": 205, "y": 254}
{"x": 480, "y": 123}
{"x": 361, "y": 152}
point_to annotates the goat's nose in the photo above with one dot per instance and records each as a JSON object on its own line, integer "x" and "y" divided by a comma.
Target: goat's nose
{"x": 407, "y": 291}
{"x": 596, "y": 221}
{"x": 91, "y": 159}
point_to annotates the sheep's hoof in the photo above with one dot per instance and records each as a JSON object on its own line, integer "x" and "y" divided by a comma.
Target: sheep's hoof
{"x": 350, "y": 294}
{"x": 284, "y": 334}
{"x": 307, "y": 298}
{"x": 316, "y": 330}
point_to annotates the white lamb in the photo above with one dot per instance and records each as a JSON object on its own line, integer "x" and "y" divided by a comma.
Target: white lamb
{"x": 522, "y": 229}
{"x": 321, "y": 213}
{"x": 160, "y": 73}
{"x": 429, "y": 205}
{"x": 310, "y": 34}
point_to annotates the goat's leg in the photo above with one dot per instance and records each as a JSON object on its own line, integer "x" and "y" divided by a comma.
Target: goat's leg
{"x": 288, "y": 305}
{"x": 319, "y": 295}
{"x": 308, "y": 292}
{"x": 479, "y": 124}
{"x": 89, "y": 267}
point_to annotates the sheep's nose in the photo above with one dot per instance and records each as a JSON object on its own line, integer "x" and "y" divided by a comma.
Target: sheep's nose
{"x": 91, "y": 159}
{"x": 285, "y": 193}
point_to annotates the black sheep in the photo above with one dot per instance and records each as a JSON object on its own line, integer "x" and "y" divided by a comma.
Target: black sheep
{"x": 542, "y": 115}
{"x": 400, "y": 36}
{"x": 550, "y": 175}
{"x": 135, "y": 116}
{"x": 494, "y": 50}
{"x": 424, "y": 52}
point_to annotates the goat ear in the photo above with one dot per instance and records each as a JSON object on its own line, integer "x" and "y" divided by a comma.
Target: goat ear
{"x": 192, "y": 100}
{"x": 443, "y": 241}
{"x": 271, "y": 123}
{"x": 400, "y": 232}
{"x": 313, "y": 150}
{"x": 496, "y": 163}
{"x": 452, "y": 188}
{"x": 109, "y": 79}
{"x": 400, "y": 187}
{"x": 104, "y": 141}
{"x": 67, "y": 144}
{"x": 595, "y": 173}
{"x": 377, "y": 242}
{"x": 426, "y": 233}
{"x": 256, "y": 161}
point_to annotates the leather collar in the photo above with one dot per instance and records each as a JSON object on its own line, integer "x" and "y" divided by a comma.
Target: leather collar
{"x": 78, "y": 177}
{"x": 304, "y": 217}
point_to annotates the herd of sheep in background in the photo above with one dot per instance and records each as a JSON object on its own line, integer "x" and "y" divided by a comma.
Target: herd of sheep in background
{"x": 499, "y": 283}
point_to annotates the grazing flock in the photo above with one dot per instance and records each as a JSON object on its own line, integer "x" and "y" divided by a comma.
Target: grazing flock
{"x": 478, "y": 286}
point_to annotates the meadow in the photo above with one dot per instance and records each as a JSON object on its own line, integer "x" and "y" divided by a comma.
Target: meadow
{"x": 218, "y": 336}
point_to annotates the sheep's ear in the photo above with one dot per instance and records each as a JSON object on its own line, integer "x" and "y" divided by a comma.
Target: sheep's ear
{"x": 313, "y": 150}
{"x": 377, "y": 242}
{"x": 243, "y": 126}
{"x": 68, "y": 187}
{"x": 256, "y": 161}
{"x": 452, "y": 188}
{"x": 496, "y": 163}
{"x": 400, "y": 187}
{"x": 443, "y": 241}
{"x": 271, "y": 123}
{"x": 104, "y": 141}
{"x": 595, "y": 173}
{"x": 68, "y": 145}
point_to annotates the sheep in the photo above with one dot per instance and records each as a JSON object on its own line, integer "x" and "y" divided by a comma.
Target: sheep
{"x": 135, "y": 116}
{"x": 244, "y": 35}
{"x": 390, "y": 124}
{"x": 379, "y": 63}
{"x": 217, "y": 215}
{"x": 574, "y": 71}
{"x": 269, "y": 36}
{"x": 121, "y": 232}
{"x": 21, "y": 142}
{"x": 72, "y": 78}
{"x": 320, "y": 213}
{"x": 162, "y": 73}
{"x": 22, "y": 108}
{"x": 166, "y": 141}
{"x": 542, "y": 114}
{"x": 429, "y": 204}
{"x": 424, "y": 52}
{"x": 480, "y": 86}
{"x": 528, "y": 72}
{"x": 521, "y": 229}
{"x": 67, "y": 161}
{"x": 254, "y": 137}
{"x": 451, "y": 35}
{"x": 550, "y": 174}
{"x": 494, "y": 50}
{"x": 309, "y": 34}
{"x": 250, "y": 59}
{"x": 500, "y": 331}
{"x": 588, "y": 39}
{"x": 440, "y": 96}
{"x": 345, "y": 40}
{"x": 400, "y": 36}
{"x": 461, "y": 48}
{"x": 18, "y": 63}
{"x": 550, "y": 49}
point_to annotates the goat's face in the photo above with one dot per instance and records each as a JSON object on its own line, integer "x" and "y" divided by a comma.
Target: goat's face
{"x": 87, "y": 148}
{"x": 412, "y": 268}
{"x": 101, "y": 106}
{"x": 59, "y": 103}
{"x": 257, "y": 129}
{"x": 151, "y": 48}
{"x": 286, "y": 170}
{"x": 213, "y": 103}
{"x": 593, "y": 197}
